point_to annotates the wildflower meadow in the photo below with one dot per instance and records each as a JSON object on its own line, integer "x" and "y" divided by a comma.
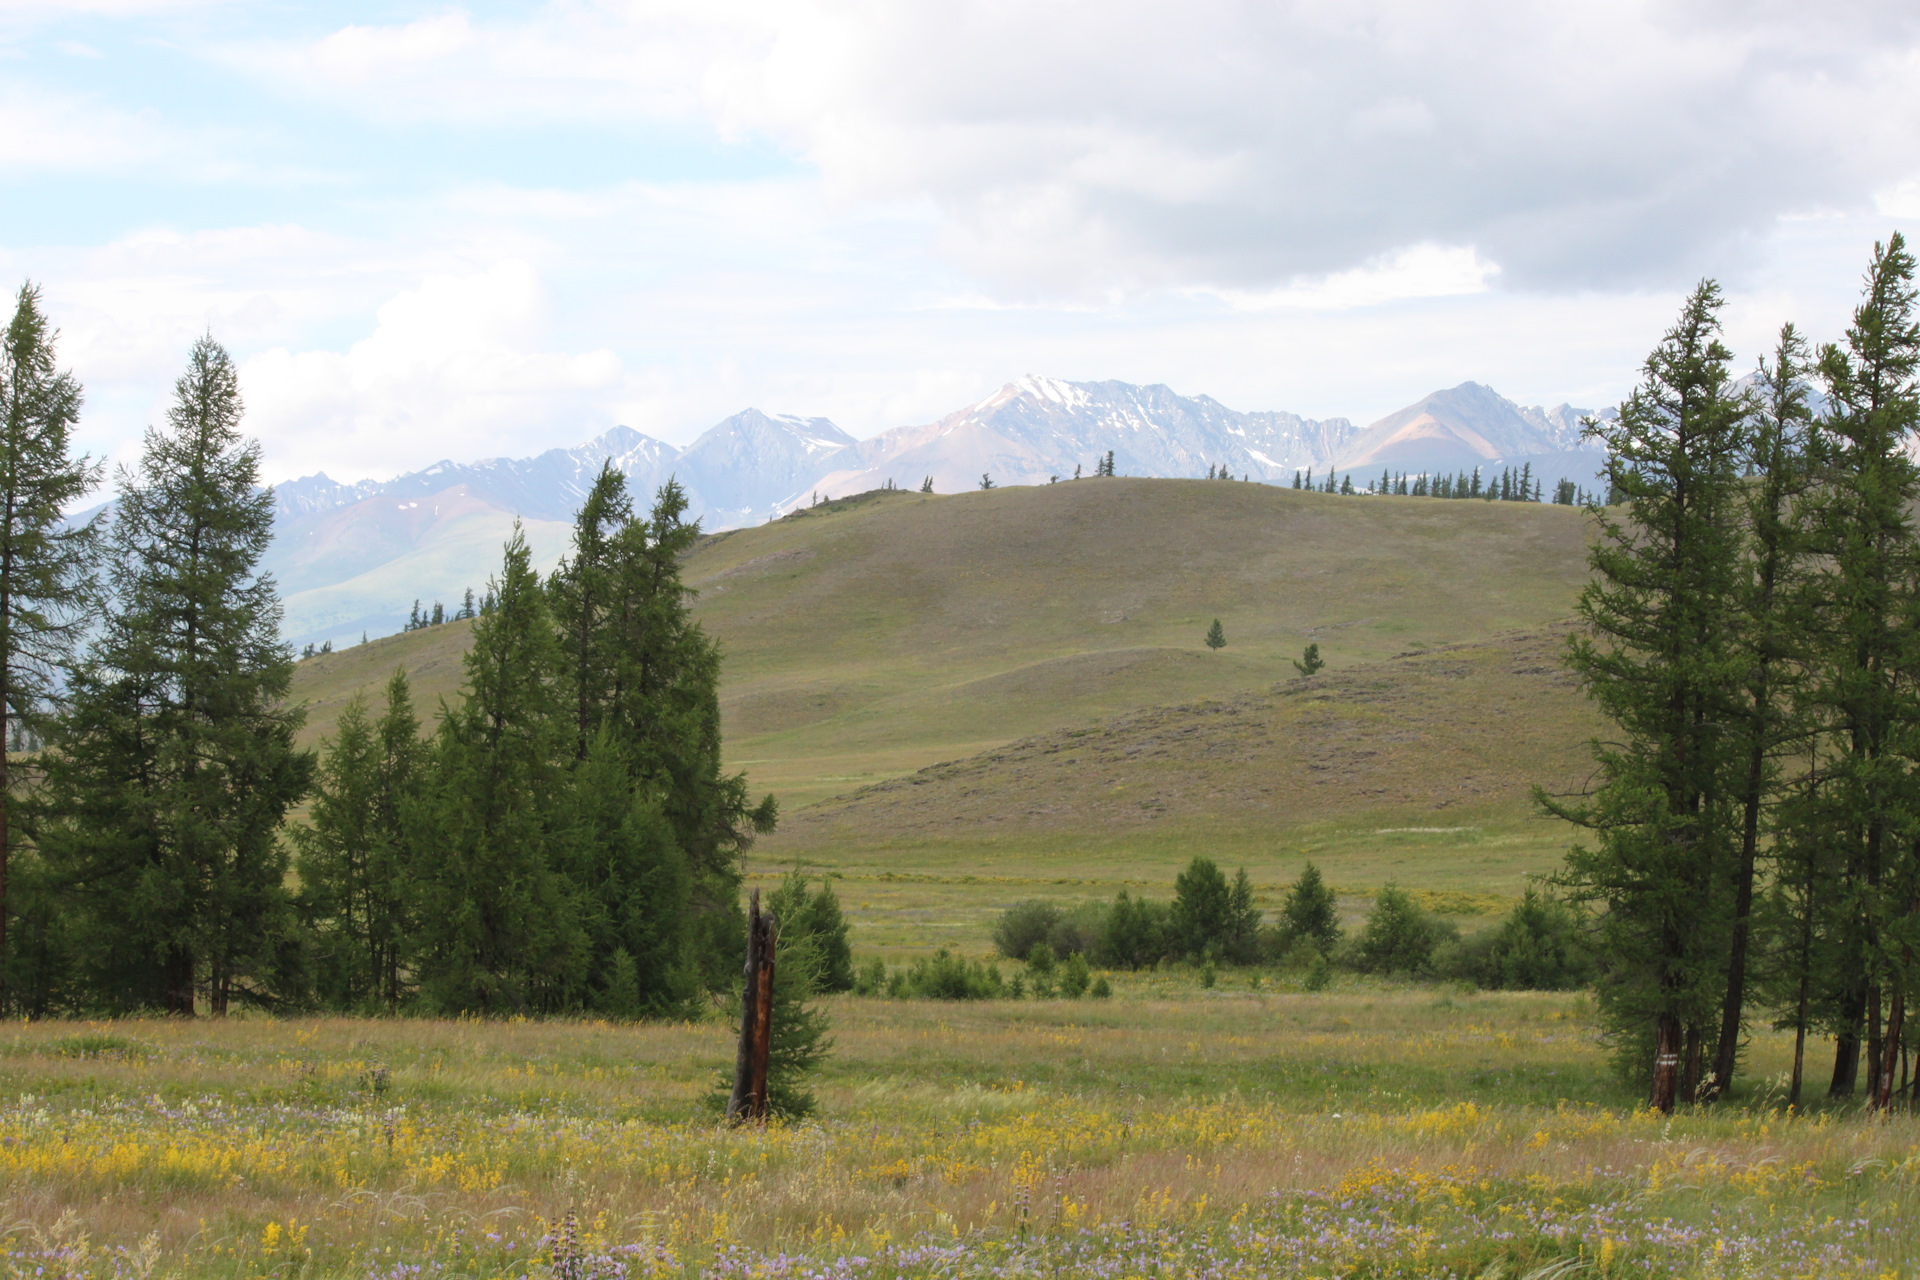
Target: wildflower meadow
{"x": 1370, "y": 1130}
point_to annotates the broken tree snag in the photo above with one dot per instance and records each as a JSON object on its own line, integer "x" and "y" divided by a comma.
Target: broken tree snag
{"x": 749, "y": 1098}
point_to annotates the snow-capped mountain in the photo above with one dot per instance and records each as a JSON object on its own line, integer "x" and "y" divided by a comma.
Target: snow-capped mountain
{"x": 354, "y": 557}
{"x": 1036, "y": 428}
{"x": 742, "y": 468}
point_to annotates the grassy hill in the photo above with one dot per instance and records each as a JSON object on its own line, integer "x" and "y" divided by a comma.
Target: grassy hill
{"x": 872, "y": 638}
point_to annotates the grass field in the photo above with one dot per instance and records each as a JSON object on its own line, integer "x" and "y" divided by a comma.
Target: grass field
{"x": 1364, "y": 1131}
{"x": 969, "y": 699}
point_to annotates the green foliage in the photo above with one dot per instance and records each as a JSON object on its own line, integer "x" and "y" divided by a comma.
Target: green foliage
{"x": 501, "y": 925}
{"x": 174, "y": 763}
{"x": 1101, "y": 988}
{"x": 1208, "y": 975}
{"x": 1399, "y": 936}
{"x": 1216, "y": 636}
{"x": 817, "y": 918}
{"x": 1659, "y": 655}
{"x": 1136, "y": 933}
{"x": 1240, "y": 937}
{"x": 1075, "y": 976}
{"x": 1538, "y": 947}
{"x": 945, "y": 976}
{"x": 798, "y": 1035}
{"x": 1309, "y": 661}
{"x": 871, "y": 978}
{"x": 46, "y": 565}
{"x": 1311, "y": 912}
{"x": 1202, "y": 920}
{"x": 1024, "y": 925}
{"x": 356, "y": 856}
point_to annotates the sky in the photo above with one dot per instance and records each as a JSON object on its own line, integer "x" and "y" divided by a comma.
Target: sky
{"x": 436, "y": 231}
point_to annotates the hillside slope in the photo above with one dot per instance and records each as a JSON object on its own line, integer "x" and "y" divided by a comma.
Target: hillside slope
{"x": 871, "y": 637}
{"x": 1418, "y": 769}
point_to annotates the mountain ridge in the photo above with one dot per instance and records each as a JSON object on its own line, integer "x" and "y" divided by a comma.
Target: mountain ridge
{"x": 352, "y": 557}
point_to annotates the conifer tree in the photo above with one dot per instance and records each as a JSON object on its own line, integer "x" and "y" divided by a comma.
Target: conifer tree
{"x": 1863, "y": 601}
{"x": 359, "y": 853}
{"x": 1202, "y": 910}
{"x": 1310, "y": 661}
{"x": 1311, "y": 912}
{"x": 46, "y": 564}
{"x": 816, "y": 918}
{"x": 1240, "y": 940}
{"x": 663, "y": 710}
{"x": 174, "y": 763}
{"x": 1216, "y": 636}
{"x": 500, "y": 927}
{"x": 1657, "y": 656}
{"x": 1769, "y": 563}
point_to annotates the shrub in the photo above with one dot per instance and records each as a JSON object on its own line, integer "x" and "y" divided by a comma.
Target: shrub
{"x": 1074, "y": 978}
{"x": 1538, "y": 947}
{"x": 1208, "y": 976}
{"x": 1079, "y": 931}
{"x": 945, "y": 976}
{"x": 1024, "y": 924}
{"x": 1101, "y": 988}
{"x": 871, "y": 978}
{"x": 1135, "y": 936}
{"x": 1399, "y": 936}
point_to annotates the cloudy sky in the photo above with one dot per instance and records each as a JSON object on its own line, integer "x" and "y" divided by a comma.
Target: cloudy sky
{"x": 434, "y": 230}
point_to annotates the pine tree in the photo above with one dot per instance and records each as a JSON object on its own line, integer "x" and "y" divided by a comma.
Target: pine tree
{"x": 1777, "y": 453}
{"x": 46, "y": 564}
{"x": 986, "y": 481}
{"x": 1240, "y": 940}
{"x": 1216, "y": 636}
{"x": 1311, "y": 911}
{"x": 816, "y": 918}
{"x": 926, "y": 486}
{"x": 1863, "y": 600}
{"x": 582, "y": 593}
{"x": 358, "y": 855}
{"x": 1202, "y": 910}
{"x": 1310, "y": 661}
{"x": 664, "y": 712}
{"x": 1658, "y": 657}
{"x": 174, "y": 764}
{"x": 500, "y": 927}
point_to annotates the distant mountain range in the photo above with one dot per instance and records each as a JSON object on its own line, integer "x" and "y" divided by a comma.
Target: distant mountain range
{"x": 352, "y": 558}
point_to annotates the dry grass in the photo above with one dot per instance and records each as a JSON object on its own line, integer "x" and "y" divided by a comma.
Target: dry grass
{"x": 1234, "y": 1125}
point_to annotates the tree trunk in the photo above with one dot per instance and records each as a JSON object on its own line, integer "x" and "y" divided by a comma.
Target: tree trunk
{"x": 1846, "y": 1064}
{"x": 177, "y": 976}
{"x": 1666, "y": 1063}
{"x": 1732, "y": 1011}
{"x": 1690, "y": 1065}
{"x": 1875, "y": 1039}
{"x": 749, "y": 1098}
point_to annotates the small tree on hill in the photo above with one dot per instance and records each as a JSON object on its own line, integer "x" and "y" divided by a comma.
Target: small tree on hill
{"x": 1311, "y": 912}
{"x": 986, "y": 481}
{"x": 1310, "y": 661}
{"x": 1202, "y": 909}
{"x": 1216, "y": 636}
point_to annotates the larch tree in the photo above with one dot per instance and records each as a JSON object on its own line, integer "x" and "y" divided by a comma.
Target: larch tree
{"x": 1657, "y": 656}
{"x": 1863, "y": 604}
{"x": 46, "y": 563}
{"x": 173, "y": 765}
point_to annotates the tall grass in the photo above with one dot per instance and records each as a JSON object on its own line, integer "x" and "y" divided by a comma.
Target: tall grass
{"x": 1374, "y": 1130}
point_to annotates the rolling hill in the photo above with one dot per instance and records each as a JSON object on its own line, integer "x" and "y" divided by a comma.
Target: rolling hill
{"x": 352, "y": 558}
{"x": 910, "y": 675}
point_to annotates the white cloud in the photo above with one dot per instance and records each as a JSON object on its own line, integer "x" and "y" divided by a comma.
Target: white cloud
{"x": 454, "y": 365}
{"x": 1078, "y": 147}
